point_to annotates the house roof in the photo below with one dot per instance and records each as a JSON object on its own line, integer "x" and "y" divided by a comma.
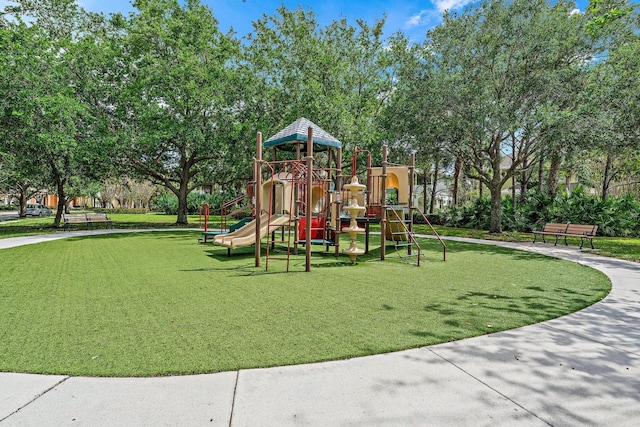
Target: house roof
{"x": 296, "y": 133}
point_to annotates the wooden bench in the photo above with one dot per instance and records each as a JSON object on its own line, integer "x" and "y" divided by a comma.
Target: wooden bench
{"x": 584, "y": 232}
{"x": 581, "y": 231}
{"x": 85, "y": 218}
{"x": 70, "y": 219}
{"x": 99, "y": 217}
{"x": 550, "y": 229}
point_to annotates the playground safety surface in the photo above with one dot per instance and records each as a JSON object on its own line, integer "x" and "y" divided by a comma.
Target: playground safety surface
{"x": 580, "y": 369}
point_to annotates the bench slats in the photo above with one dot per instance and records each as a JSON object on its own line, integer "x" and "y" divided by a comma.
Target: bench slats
{"x": 85, "y": 218}
{"x": 550, "y": 229}
{"x": 581, "y": 231}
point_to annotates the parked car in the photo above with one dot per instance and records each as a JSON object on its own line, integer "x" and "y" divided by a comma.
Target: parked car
{"x": 36, "y": 209}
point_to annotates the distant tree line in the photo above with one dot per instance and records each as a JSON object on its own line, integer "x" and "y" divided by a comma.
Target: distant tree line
{"x": 162, "y": 95}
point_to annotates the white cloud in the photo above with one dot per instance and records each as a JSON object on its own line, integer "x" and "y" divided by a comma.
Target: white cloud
{"x": 575, "y": 12}
{"x": 427, "y": 17}
{"x": 414, "y": 21}
{"x": 424, "y": 17}
{"x": 443, "y": 5}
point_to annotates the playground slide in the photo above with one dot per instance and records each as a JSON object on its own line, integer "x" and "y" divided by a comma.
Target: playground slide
{"x": 247, "y": 229}
{"x": 248, "y": 237}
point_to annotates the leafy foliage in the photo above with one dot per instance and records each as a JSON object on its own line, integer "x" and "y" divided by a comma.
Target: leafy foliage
{"x": 181, "y": 99}
{"x": 169, "y": 203}
{"x": 614, "y": 216}
{"x": 133, "y": 211}
{"x": 338, "y": 76}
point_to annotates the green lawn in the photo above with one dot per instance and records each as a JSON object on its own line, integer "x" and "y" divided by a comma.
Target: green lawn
{"x": 32, "y": 226}
{"x": 622, "y": 248}
{"x": 626, "y": 248}
{"x": 143, "y": 304}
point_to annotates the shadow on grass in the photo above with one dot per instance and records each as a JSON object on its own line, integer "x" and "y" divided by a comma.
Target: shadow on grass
{"x": 117, "y": 233}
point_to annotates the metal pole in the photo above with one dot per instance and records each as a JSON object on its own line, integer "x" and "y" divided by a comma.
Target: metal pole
{"x": 383, "y": 202}
{"x": 309, "y": 184}
{"x": 368, "y": 193}
{"x": 296, "y": 201}
{"x": 258, "y": 193}
{"x": 412, "y": 167}
{"x": 337, "y": 220}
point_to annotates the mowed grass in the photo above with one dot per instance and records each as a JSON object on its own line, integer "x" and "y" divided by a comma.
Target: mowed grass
{"x": 622, "y": 248}
{"x": 44, "y": 225}
{"x": 159, "y": 303}
{"x": 627, "y": 248}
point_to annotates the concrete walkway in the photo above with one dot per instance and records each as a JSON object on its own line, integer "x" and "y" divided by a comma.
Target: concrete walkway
{"x": 579, "y": 370}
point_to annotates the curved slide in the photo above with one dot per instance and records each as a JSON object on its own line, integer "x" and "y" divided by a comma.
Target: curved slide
{"x": 246, "y": 235}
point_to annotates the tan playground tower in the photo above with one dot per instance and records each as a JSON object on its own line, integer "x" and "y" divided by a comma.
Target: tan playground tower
{"x": 354, "y": 209}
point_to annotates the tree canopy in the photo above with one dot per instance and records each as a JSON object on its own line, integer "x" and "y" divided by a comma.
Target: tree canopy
{"x": 163, "y": 95}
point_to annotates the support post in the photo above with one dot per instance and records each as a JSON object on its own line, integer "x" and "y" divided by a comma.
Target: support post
{"x": 412, "y": 167}
{"x": 296, "y": 207}
{"x": 383, "y": 203}
{"x": 337, "y": 220}
{"x": 257, "y": 178}
{"x": 368, "y": 194}
{"x": 308, "y": 198}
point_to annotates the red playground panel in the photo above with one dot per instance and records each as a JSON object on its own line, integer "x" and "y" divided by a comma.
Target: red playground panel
{"x": 317, "y": 228}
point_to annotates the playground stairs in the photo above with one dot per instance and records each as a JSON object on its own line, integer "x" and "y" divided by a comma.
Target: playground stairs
{"x": 272, "y": 239}
{"x": 403, "y": 238}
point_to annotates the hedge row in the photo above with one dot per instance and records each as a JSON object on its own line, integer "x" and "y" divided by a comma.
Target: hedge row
{"x": 618, "y": 217}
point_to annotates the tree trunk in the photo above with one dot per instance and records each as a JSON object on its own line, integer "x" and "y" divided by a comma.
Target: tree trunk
{"x": 567, "y": 181}
{"x": 606, "y": 178}
{"x": 425, "y": 179}
{"x": 456, "y": 180}
{"x": 495, "y": 226}
{"x": 540, "y": 173}
{"x": 62, "y": 200}
{"x": 434, "y": 185}
{"x": 22, "y": 200}
{"x": 524, "y": 181}
{"x": 554, "y": 173}
{"x": 513, "y": 178}
{"x": 182, "y": 205}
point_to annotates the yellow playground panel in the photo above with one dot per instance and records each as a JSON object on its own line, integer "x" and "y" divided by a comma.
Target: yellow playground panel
{"x": 282, "y": 197}
{"x": 397, "y": 178}
{"x": 317, "y": 199}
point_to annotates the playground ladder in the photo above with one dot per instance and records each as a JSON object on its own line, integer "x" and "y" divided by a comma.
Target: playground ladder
{"x": 404, "y": 241}
{"x": 271, "y": 229}
{"x": 271, "y": 241}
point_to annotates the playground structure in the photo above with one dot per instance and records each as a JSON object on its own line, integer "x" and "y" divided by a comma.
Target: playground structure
{"x": 302, "y": 197}
{"x": 354, "y": 208}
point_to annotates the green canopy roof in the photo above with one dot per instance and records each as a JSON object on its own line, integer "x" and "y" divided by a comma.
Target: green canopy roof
{"x": 296, "y": 133}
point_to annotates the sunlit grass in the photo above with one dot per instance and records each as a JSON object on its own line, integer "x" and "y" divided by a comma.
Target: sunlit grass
{"x": 627, "y": 248}
{"x": 159, "y": 303}
{"x": 622, "y": 248}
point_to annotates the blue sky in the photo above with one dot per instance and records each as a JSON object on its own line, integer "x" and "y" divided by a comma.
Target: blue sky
{"x": 413, "y": 17}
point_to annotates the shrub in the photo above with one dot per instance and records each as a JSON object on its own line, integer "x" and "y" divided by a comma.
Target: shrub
{"x": 436, "y": 218}
{"x": 475, "y": 214}
{"x": 122, "y": 210}
{"x": 614, "y": 216}
{"x": 169, "y": 203}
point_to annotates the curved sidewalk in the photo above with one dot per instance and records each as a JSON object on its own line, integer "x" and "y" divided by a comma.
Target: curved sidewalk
{"x": 577, "y": 370}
